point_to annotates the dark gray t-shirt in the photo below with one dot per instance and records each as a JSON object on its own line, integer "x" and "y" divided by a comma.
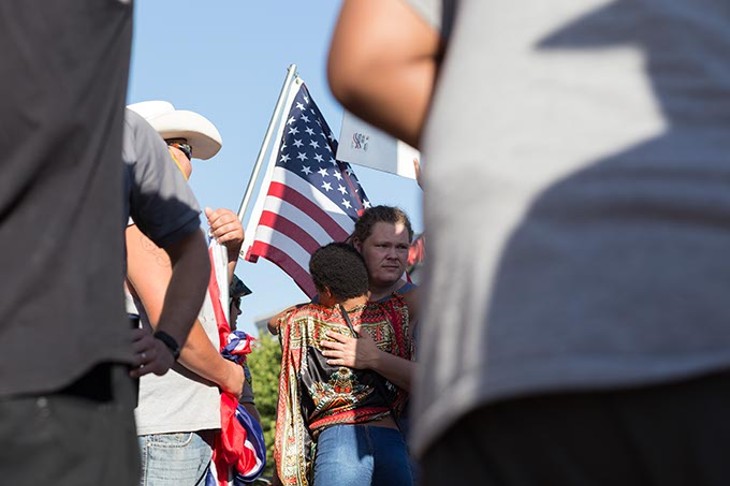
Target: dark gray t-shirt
{"x": 63, "y": 79}
{"x": 63, "y": 324}
{"x": 577, "y": 201}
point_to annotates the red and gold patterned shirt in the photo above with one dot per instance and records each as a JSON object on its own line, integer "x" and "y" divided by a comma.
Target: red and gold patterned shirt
{"x": 314, "y": 395}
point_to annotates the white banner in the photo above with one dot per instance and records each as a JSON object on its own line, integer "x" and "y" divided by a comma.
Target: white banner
{"x": 363, "y": 144}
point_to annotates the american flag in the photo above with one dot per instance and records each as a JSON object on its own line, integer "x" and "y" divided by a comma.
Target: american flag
{"x": 311, "y": 199}
{"x": 239, "y": 451}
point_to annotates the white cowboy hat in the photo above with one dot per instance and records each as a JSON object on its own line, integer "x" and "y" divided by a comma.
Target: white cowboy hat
{"x": 170, "y": 123}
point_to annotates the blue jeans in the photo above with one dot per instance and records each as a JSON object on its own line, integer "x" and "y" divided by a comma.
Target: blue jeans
{"x": 178, "y": 459}
{"x": 361, "y": 455}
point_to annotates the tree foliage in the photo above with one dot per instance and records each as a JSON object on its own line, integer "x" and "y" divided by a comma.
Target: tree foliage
{"x": 265, "y": 363}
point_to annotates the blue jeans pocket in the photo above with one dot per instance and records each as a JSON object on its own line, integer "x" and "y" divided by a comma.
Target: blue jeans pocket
{"x": 175, "y": 459}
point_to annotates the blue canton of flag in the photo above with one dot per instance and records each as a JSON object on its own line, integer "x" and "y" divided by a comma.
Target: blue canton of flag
{"x": 308, "y": 149}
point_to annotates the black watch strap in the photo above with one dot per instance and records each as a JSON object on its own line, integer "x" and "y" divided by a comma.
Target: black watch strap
{"x": 170, "y": 342}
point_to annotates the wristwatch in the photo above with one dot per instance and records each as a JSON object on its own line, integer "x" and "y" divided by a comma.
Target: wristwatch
{"x": 170, "y": 342}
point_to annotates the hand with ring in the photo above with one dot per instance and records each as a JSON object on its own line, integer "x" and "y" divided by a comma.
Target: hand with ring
{"x": 150, "y": 354}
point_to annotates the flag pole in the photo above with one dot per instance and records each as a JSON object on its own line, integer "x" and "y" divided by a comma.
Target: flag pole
{"x": 291, "y": 72}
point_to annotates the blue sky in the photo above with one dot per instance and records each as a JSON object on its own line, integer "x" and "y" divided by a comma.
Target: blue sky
{"x": 227, "y": 60}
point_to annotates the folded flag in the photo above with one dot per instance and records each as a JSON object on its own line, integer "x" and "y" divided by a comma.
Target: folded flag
{"x": 239, "y": 451}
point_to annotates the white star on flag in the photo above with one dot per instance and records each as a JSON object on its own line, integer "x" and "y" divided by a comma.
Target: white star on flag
{"x": 299, "y": 209}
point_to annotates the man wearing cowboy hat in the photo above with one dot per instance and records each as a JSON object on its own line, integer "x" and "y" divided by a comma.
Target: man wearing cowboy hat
{"x": 178, "y": 412}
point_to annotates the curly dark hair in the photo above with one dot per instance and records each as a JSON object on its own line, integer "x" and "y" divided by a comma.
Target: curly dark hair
{"x": 379, "y": 214}
{"x": 339, "y": 268}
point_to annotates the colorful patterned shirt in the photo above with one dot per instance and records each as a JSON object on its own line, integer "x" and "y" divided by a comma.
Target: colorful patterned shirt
{"x": 314, "y": 395}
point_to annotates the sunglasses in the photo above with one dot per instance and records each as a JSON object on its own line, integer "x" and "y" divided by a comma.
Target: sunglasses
{"x": 184, "y": 147}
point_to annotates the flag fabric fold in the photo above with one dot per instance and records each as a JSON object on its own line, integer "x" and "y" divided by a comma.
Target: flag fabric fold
{"x": 308, "y": 198}
{"x": 239, "y": 451}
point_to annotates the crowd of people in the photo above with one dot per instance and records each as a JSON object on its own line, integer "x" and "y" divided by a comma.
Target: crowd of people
{"x": 573, "y": 327}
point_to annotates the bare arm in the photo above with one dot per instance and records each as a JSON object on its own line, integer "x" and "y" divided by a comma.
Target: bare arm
{"x": 187, "y": 285}
{"x": 382, "y": 65}
{"x": 152, "y": 277}
{"x": 274, "y": 323}
{"x": 200, "y": 356}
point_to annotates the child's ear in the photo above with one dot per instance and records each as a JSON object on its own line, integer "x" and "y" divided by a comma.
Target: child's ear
{"x": 326, "y": 297}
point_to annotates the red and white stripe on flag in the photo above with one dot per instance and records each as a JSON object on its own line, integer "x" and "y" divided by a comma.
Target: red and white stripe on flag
{"x": 311, "y": 199}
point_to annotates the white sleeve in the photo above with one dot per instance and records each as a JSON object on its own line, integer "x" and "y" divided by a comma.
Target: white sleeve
{"x": 430, "y": 10}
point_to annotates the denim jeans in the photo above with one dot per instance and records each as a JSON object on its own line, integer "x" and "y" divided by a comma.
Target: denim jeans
{"x": 178, "y": 459}
{"x": 361, "y": 455}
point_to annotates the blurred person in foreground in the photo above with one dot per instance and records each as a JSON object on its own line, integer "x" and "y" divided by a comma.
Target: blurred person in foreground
{"x": 577, "y": 199}
{"x": 336, "y": 424}
{"x": 65, "y": 395}
{"x": 61, "y": 205}
{"x": 69, "y": 418}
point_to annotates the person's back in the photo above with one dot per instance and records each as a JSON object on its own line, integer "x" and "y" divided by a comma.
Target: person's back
{"x": 317, "y": 398}
{"x": 65, "y": 395}
{"x": 590, "y": 217}
{"x": 309, "y": 324}
{"x": 61, "y": 322}
{"x": 576, "y": 199}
